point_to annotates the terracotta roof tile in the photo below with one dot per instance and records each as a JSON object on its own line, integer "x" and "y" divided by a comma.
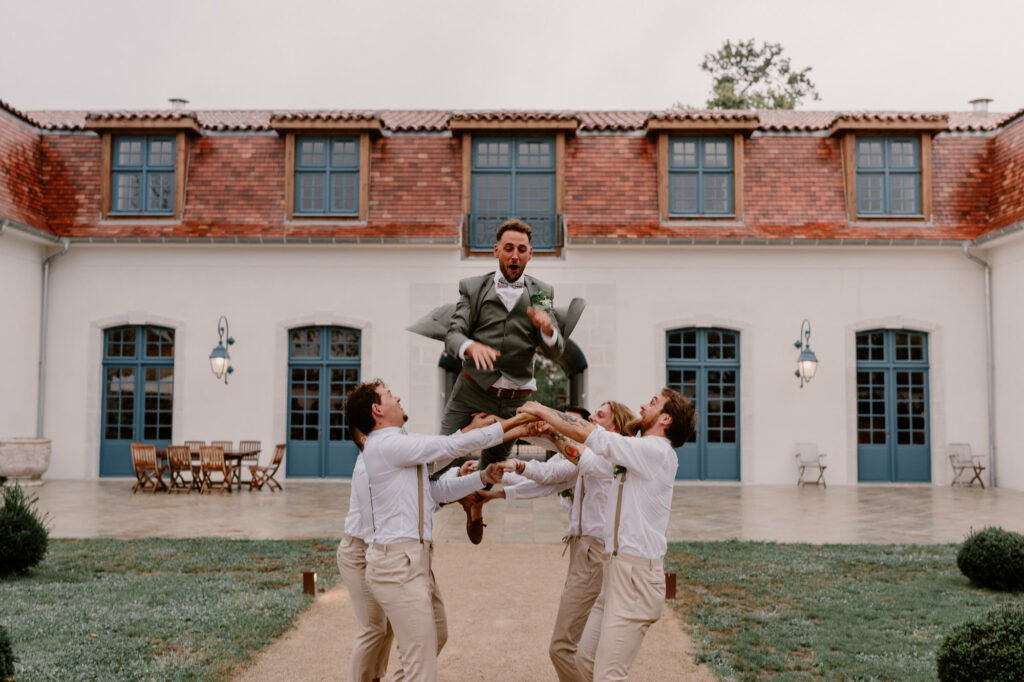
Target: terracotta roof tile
{"x": 239, "y": 119}
{"x": 405, "y": 121}
{"x": 792, "y": 120}
{"x": 703, "y": 115}
{"x": 508, "y": 115}
{"x": 613, "y": 120}
{"x": 324, "y": 115}
{"x": 16, "y": 113}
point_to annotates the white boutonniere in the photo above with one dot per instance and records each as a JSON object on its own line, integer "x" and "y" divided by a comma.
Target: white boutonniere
{"x": 541, "y": 299}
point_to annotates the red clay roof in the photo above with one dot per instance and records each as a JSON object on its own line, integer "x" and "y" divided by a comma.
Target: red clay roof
{"x": 436, "y": 121}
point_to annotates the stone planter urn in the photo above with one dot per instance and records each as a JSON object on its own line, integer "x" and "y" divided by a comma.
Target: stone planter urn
{"x": 24, "y": 460}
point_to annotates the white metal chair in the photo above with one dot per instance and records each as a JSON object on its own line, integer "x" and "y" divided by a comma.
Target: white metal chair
{"x": 809, "y": 460}
{"x": 964, "y": 462}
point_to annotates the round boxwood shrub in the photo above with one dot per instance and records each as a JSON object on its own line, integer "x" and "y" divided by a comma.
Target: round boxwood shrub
{"x": 985, "y": 649}
{"x": 6, "y": 656}
{"x": 993, "y": 558}
{"x": 23, "y": 534}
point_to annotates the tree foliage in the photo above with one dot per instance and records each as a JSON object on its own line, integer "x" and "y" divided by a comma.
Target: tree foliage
{"x": 750, "y": 77}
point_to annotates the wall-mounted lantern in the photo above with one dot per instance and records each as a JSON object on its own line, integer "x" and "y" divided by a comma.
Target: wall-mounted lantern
{"x": 220, "y": 359}
{"x": 807, "y": 363}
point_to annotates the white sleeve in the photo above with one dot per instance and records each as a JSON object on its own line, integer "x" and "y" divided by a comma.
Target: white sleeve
{"x": 413, "y": 449}
{"x": 527, "y": 490}
{"x": 592, "y": 465}
{"x": 554, "y": 471}
{"x": 641, "y": 456}
{"x": 451, "y": 488}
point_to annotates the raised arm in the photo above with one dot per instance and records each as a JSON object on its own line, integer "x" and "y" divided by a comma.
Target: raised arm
{"x": 569, "y": 425}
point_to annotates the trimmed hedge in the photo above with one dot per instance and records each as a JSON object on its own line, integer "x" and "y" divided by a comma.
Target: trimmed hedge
{"x": 989, "y": 648}
{"x": 993, "y": 558}
{"x": 6, "y": 656}
{"x": 23, "y": 535}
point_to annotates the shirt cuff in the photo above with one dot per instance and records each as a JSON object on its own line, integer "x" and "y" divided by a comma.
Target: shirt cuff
{"x": 464, "y": 346}
{"x": 550, "y": 340}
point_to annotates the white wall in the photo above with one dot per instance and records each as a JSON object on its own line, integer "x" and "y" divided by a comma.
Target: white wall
{"x": 1007, "y": 261}
{"x": 634, "y": 294}
{"x": 21, "y": 285}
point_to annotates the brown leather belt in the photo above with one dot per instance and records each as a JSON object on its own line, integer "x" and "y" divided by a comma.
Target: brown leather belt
{"x": 503, "y": 393}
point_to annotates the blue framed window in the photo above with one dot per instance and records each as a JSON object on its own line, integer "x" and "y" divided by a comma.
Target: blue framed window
{"x": 143, "y": 174}
{"x": 704, "y": 365}
{"x": 889, "y": 176}
{"x": 323, "y": 366}
{"x": 701, "y": 176}
{"x": 513, "y": 177}
{"x": 327, "y": 176}
{"x": 892, "y": 406}
{"x": 138, "y": 393}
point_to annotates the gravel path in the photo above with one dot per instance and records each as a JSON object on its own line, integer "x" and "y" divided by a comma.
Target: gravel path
{"x": 501, "y": 600}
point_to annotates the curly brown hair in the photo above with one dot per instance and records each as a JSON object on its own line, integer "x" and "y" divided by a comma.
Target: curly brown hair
{"x": 684, "y": 417}
{"x": 359, "y": 407}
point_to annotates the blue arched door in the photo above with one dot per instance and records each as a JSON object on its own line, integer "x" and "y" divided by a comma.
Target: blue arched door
{"x": 138, "y": 393}
{"x": 323, "y": 365}
{"x": 704, "y": 365}
{"x": 892, "y": 407}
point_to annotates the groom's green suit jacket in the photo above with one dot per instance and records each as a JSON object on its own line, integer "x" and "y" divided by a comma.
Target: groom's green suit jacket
{"x": 481, "y": 316}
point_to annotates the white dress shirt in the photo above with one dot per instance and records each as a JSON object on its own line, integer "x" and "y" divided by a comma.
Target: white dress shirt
{"x": 509, "y": 297}
{"x": 651, "y": 465}
{"x": 359, "y": 521}
{"x": 392, "y": 458}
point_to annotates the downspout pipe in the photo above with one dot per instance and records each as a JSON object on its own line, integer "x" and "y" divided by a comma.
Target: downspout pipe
{"x": 42, "y": 334}
{"x": 3, "y": 227}
{"x": 990, "y": 364}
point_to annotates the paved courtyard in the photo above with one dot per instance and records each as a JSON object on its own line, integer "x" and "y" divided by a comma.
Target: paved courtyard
{"x": 306, "y": 509}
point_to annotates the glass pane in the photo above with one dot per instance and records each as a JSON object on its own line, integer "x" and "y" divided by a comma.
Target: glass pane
{"x": 161, "y": 152}
{"x": 310, "y": 192}
{"x": 534, "y": 154}
{"x": 159, "y": 342}
{"x": 344, "y": 192}
{"x": 716, "y": 154}
{"x": 683, "y": 153}
{"x": 344, "y": 343}
{"x": 312, "y": 153}
{"x": 716, "y": 193}
{"x": 683, "y": 193}
{"x": 129, "y": 152}
{"x": 305, "y": 343}
{"x": 345, "y": 154}
{"x": 535, "y": 197}
{"x": 161, "y": 192}
{"x": 493, "y": 154}
{"x": 902, "y": 154}
{"x": 870, "y": 193}
{"x": 128, "y": 191}
{"x": 904, "y": 192}
{"x": 870, "y": 153}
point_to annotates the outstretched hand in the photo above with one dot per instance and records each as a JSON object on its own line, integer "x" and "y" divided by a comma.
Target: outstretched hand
{"x": 480, "y": 420}
{"x": 483, "y": 355}
{"x": 532, "y": 408}
{"x": 493, "y": 473}
{"x": 541, "y": 319}
{"x": 468, "y": 467}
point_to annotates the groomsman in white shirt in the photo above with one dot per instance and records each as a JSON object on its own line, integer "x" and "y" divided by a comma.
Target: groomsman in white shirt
{"x": 633, "y": 586}
{"x": 402, "y": 502}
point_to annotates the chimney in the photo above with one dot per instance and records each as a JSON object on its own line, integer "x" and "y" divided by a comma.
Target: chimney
{"x": 177, "y": 103}
{"x": 980, "y": 106}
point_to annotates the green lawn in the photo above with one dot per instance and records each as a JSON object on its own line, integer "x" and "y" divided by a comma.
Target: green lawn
{"x": 156, "y": 609}
{"x": 795, "y": 612}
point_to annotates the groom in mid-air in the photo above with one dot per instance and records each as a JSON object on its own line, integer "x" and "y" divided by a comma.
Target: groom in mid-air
{"x": 501, "y": 319}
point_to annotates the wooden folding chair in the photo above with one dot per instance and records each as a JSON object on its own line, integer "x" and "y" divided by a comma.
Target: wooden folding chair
{"x": 197, "y": 469}
{"x": 265, "y": 475}
{"x": 212, "y": 459}
{"x": 179, "y": 463}
{"x": 963, "y": 461}
{"x": 148, "y": 472}
{"x": 252, "y": 447}
{"x": 808, "y": 459}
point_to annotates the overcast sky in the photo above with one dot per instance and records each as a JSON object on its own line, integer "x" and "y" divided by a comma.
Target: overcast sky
{"x": 518, "y": 54}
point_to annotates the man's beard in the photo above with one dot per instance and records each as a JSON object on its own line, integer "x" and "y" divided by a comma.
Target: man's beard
{"x": 510, "y": 277}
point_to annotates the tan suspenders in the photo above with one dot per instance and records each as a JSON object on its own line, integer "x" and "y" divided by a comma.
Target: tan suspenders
{"x": 583, "y": 492}
{"x": 419, "y": 496}
{"x": 618, "y": 512}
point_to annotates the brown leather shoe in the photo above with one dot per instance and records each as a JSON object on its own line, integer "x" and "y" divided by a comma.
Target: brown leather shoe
{"x": 474, "y": 507}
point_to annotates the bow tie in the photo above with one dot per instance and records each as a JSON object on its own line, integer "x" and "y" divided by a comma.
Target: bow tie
{"x": 505, "y": 284}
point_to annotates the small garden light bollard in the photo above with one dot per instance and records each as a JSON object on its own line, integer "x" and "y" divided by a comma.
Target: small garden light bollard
{"x": 309, "y": 582}
{"x": 670, "y": 584}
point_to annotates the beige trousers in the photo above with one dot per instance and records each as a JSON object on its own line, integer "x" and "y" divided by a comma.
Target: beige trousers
{"x": 632, "y": 597}
{"x": 402, "y": 582}
{"x": 373, "y": 641}
{"x": 582, "y": 587}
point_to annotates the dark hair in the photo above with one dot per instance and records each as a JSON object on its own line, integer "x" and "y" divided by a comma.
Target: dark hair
{"x": 581, "y": 411}
{"x": 515, "y": 225}
{"x": 684, "y": 417}
{"x": 359, "y": 407}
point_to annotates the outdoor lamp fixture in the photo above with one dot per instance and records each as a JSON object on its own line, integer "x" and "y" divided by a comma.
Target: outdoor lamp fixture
{"x": 220, "y": 359}
{"x": 807, "y": 363}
